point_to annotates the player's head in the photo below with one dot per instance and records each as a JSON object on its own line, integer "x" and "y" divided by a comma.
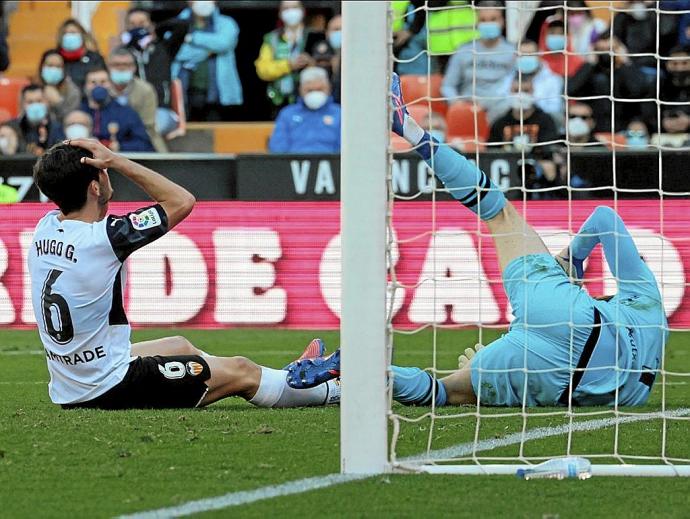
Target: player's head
{"x": 61, "y": 176}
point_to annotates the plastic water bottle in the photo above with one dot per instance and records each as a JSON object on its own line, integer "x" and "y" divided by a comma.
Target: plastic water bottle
{"x": 559, "y": 468}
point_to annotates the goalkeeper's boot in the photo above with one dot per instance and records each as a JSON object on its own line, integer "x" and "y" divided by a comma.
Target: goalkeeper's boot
{"x": 307, "y": 373}
{"x": 316, "y": 348}
{"x": 399, "y": 109}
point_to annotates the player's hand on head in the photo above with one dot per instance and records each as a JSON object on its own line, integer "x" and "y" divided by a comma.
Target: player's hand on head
{"x": 103, "y": 158}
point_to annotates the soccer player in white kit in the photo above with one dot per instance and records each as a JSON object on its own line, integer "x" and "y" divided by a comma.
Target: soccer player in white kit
{"x": 77, "y": 278}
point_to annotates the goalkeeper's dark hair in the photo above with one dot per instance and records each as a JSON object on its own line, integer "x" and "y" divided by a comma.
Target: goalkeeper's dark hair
{"x": 61, "y": 176}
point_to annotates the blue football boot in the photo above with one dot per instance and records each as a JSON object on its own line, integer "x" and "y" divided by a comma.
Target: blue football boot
{"x": 303, "y": 374}
{"x": 316, "y": 348}
{"x": 398, "y": 106}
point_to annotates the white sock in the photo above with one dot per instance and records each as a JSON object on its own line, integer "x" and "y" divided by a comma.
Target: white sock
{"x": 412, "y": 132}
{"x": 274, "y": 392}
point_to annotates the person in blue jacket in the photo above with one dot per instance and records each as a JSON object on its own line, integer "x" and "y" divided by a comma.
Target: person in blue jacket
{"x": 206, "y": 65}
{"x": 117, "y": 126}
{"x": 312, "y": 124}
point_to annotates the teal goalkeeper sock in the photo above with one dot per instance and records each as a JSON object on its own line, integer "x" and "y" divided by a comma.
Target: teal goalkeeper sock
{"x": 462, "y": 178}
{"x": 412, "y": 386}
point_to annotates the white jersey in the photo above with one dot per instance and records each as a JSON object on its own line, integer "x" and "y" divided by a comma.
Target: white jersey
{"x": 77, "y": 278}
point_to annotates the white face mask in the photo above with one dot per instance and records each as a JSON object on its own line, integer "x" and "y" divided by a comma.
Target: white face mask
{"x": 639, "y": 11}
{"x": 578, "y": 127}
{"x": 5, "y": 146}
{"x": 523, "y": 100}
{"x": 203, "y": 8}
{"x": 315, "y": 99}
{"x": 522, "y": 142}
{"x": 77, "y": 131}
{"x": 292, "y": 16}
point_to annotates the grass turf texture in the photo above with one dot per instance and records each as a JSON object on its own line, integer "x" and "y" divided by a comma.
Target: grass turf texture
{"x": 88, "y": 463}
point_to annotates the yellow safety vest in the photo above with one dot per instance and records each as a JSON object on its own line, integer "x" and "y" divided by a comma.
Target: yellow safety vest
{"x": 399, "y": 8}
{"x": 451, "y": 27}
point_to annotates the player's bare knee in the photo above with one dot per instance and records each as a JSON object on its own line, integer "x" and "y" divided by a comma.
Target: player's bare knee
{"x": 243, "y": 373}
{"x": 184, "y": 346}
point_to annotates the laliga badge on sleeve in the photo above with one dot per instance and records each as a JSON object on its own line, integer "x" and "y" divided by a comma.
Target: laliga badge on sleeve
{"x": 145, "y": 220}
{"x": 328, "y": 120}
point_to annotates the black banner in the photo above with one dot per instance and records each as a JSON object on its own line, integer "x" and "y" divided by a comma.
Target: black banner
{"x": 317, "y": 177}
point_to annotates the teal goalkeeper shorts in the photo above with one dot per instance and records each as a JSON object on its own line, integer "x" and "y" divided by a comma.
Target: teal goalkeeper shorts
{"x": 553, "y": 319}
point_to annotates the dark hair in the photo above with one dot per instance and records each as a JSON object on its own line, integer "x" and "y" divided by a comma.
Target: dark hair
{"x": 97, "y": 68}
{"x": 30, "y": 88}
{"x": 133, "y": 10}
{"x": 680, "y": 49}
{"x": 45, "y": 55}
{"x": 61, "y": 176}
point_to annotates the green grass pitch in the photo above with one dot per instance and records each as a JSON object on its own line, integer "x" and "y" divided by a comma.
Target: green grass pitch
{"x": 88, "y": 463}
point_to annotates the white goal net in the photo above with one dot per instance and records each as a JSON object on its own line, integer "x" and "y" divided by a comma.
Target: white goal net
{"x": 566, "y": 106}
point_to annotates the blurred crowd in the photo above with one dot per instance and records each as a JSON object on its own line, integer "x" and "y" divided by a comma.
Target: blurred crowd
{"x": 591, "y": 81}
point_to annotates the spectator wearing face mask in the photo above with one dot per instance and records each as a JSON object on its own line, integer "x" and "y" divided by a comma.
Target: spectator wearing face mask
{"x": 334, "y": 35}
{"x": 594, "y": 80}
{"x": 558, "y": 52}
{"x": 154, "y": 48}
{"x": 580, "y": 128}
{"x": 129, "y": 90}
{"x": 675, "y": 88}
{"x": 61, "y": 94}
{"x": 583, "y": 28}
{"x": 312, "y": 124}
{"x": 524, "y": 125}
{"x": 637, "y": 29}
{"x": 206, "y": 63}
{"x": 10, "y": 140}
{"x": 548, "y": 87}
{"x": 282, "y": 55}
{"x": 77, "y": 48}
{"x": 37, "y": 128}
{"x": 637, "y": 135}
{"x": 482, "y": 70}
{"x": 116, "y": 126}
{"x": 78, "y": 125}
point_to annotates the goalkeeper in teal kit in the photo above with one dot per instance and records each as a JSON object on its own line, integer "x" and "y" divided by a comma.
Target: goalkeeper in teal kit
{"x": 564, "y": 346}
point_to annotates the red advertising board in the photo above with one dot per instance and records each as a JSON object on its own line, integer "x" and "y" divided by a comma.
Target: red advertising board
{"x": 278, "y": 263}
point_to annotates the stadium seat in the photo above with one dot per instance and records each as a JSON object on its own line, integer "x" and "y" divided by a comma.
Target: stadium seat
{"x": 461, "y": 122}
{"x": 10, "y": 92}
{"x": 177, "y": 104}
{"x": 419, "y": 112}
{"x": 422, "y": 87}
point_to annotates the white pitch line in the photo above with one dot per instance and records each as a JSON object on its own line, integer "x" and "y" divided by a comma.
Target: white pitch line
{"x": 314, "y": 483}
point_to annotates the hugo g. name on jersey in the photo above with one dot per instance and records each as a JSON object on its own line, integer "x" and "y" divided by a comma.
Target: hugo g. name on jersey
{"x": 76, "y": 287}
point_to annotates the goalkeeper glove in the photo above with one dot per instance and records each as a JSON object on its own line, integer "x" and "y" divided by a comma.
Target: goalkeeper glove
{"x": 464, "y": 359}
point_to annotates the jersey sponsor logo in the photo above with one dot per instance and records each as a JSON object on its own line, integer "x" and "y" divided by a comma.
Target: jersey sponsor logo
{"x": 145, "y": 220}
{"x": 194, "y": 368}
{"x": 81, "y": 357}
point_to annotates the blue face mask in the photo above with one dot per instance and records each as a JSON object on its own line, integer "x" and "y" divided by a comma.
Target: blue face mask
{"x": 636, "y": 139}
{"x": 121, "y": 77}
{"x": 555, "y": 41}
{"x": 52, "y": 75}
{"x": 528, "y": 64}
{"x": 335, "y": 39}
{"x": 489, "y": 30}
{"x": 72, "y": 41}
{"x": 36, "y": 112}
{"x": 100, "y": 95}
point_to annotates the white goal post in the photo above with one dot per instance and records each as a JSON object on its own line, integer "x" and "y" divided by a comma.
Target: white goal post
{"x": 364, "y": 199}
{"x": 369, "y": 426}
